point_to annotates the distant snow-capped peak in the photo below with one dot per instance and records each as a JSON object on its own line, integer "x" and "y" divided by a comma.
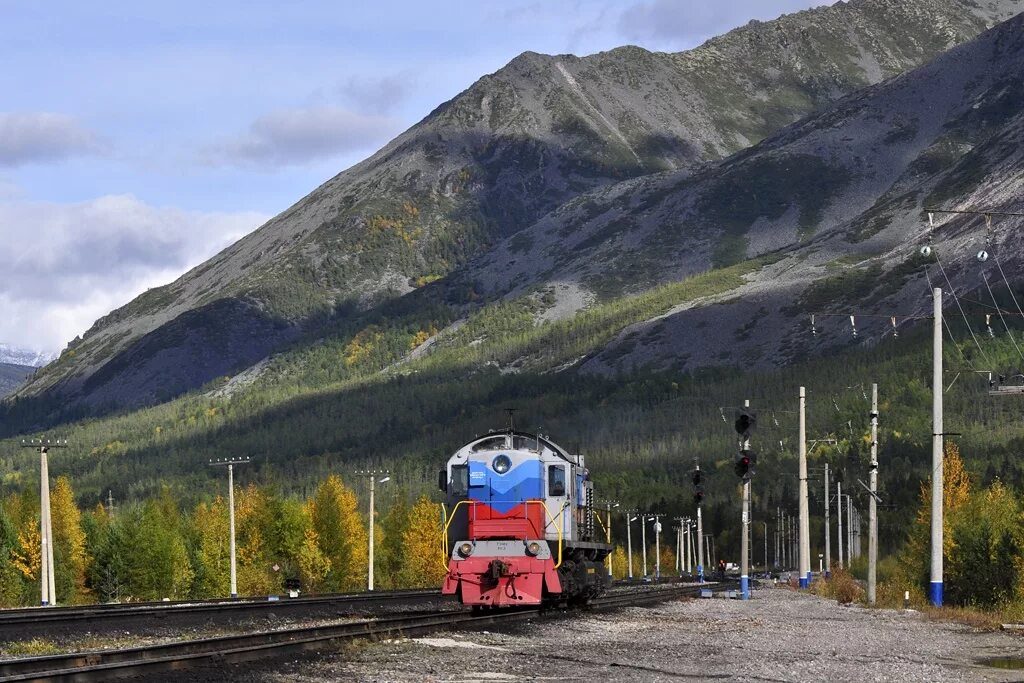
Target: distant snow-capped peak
{"x": 17, "y": 356}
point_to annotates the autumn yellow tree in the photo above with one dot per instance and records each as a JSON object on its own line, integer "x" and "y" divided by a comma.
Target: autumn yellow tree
{"x": 70, "y": 561}
{"x": 620, "y": 564}
{"x": 424, "y": 563}
{"x": 313, "y": 564}
{"x": 210, "y": 522}
{"x": 341, "y": 535}
{"x": 956, "y": 492}
{"x": 252, "y": 523}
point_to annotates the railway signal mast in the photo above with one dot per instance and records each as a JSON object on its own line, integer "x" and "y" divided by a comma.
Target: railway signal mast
{"x": 47, "y": 589}
{"x": 745, "y": 462}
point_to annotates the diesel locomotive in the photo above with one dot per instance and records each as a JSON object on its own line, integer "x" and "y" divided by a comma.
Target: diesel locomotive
{"x": 519, "y": 525}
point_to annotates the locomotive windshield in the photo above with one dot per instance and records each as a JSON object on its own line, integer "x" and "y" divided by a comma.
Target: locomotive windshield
{"x": 460, "y": 480}
{"x": 556, "y": 480}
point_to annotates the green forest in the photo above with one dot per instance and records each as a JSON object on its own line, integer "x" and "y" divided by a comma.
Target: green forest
{"x": 357, "y": 399}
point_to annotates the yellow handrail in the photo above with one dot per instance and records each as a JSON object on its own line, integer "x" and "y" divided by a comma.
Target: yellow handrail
{"x": 449, "y": 518}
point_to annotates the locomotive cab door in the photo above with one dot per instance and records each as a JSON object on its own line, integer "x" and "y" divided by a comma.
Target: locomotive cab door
{"x": 559, "y": 493}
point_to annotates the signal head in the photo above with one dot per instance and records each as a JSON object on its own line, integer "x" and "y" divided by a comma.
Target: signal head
{"x": 698, "y": 477}
{"x": 698, "y": 495}
{"x": 745, "y": 423}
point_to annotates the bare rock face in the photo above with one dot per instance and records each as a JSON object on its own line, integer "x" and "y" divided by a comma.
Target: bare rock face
{"x": 550, "y": 159}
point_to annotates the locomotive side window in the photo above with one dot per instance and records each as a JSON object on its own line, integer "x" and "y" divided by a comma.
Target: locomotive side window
{"x": 460, "y": 480}
{"x": 556, "y": 480}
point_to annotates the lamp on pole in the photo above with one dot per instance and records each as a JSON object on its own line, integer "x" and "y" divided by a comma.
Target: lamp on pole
{"x": 230, "y": 464}
{"x": 372, "y": 474}
{"x": 47, "y": 590}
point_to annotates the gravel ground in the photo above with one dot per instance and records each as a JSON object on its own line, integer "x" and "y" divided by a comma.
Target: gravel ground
{"x": 780, "y": 635}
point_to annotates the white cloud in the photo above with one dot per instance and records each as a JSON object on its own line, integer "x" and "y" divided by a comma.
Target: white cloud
{"x": 378, "y": 95}
{"x": 299, "y": 136}
{"x": 65, "y": 265}
{"x": 30, "y": 137}
{"x": 684, "y": 23}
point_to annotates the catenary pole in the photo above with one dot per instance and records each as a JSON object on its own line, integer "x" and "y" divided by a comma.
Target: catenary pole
{"x": 828, "y": 541}
{"x": 935, "y": 587}
{"x": 805, "y": 528}
{"x": 700, "y": 547}
{"x": 839, "y": 518}
{"x": 657, "y": 548}
{"x": 744, "y": 530}
{"x": 629, "y": 542}
{"x": 643, "y": 540}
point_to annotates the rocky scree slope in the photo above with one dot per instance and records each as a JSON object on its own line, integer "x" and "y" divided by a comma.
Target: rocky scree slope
{"x": 513, "y": 147}
{"x": 837, "y": 198}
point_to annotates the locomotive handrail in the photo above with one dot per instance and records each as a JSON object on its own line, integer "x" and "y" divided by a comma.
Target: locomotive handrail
{"x": 448, "y": 520}
{"x": 557, "y": 526}
{"x": 447, "y": 523}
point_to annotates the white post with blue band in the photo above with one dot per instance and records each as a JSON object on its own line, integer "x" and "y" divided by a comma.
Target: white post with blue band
{"x": 805, "y": 529}
{"x": 935, "y": 587}
{"x": 700, "y": 547}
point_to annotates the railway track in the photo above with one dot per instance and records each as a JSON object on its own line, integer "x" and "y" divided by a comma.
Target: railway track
{"x": 162, "y": 659}
{"x": 18, "y": 624}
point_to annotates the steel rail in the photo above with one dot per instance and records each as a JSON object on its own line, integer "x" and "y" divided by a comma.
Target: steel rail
{"x": 20, "y": 615}
{"x": 102, "y": 665}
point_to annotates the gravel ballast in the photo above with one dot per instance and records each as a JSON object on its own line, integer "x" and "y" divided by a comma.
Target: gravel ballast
{"x": 779, "y": 635}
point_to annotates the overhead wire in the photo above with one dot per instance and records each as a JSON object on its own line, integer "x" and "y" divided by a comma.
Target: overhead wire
{"x": 1000, "y": 311}
{"x": 956, "y": 300}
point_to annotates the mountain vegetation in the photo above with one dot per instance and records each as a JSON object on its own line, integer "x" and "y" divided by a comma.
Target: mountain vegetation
{"x": 535, "y": 136}
{"x": 623, "y": 247}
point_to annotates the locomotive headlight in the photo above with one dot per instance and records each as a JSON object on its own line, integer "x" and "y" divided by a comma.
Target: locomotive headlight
{"x": 466, "y": 549}
{"x": 533, "y": 548}
{"x": 501, "y": 464}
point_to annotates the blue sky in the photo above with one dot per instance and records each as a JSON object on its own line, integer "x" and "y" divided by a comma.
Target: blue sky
{"x": 137, "y": 139}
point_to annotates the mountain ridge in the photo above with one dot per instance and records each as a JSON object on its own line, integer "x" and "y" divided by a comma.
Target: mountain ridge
{"x": 480, "y": 168}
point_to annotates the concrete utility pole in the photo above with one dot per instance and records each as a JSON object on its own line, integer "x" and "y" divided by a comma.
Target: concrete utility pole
{"x": 765, "y": 547}
{"x": 230, "y": 463}
{"x": 657, "y": 548}
{"x": 828, "y": 541}
{"x": 110, "y": 504}
{"x": 851, "y": 552}
{"x": 745, "y": 529}
{"x": 643, "y": 540}
{"x": 700, "y": 548}
{"x": 372, "y": 475}
{"x": 935, "y": 586}
{"x": 47, "y": 589}
{"x": 839, "y": 505}
{"x": 805, "y": 526}
{"x": 629, "y": 541}
{"x": 679, "y": 544}
{"x": 690, "y": 553}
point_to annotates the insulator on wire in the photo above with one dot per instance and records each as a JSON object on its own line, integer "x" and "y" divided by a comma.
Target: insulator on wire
{"x": 835, "y": 404}
{"x": 853, "y": 326}
{"x": 988, "y": 324}
{"x": 814, "y": 330}
{"x": 775, "y": 420}
{"x": 895, "y": 332}
{"x": 722, "y": 413}
{"x": 931, "y": 220}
